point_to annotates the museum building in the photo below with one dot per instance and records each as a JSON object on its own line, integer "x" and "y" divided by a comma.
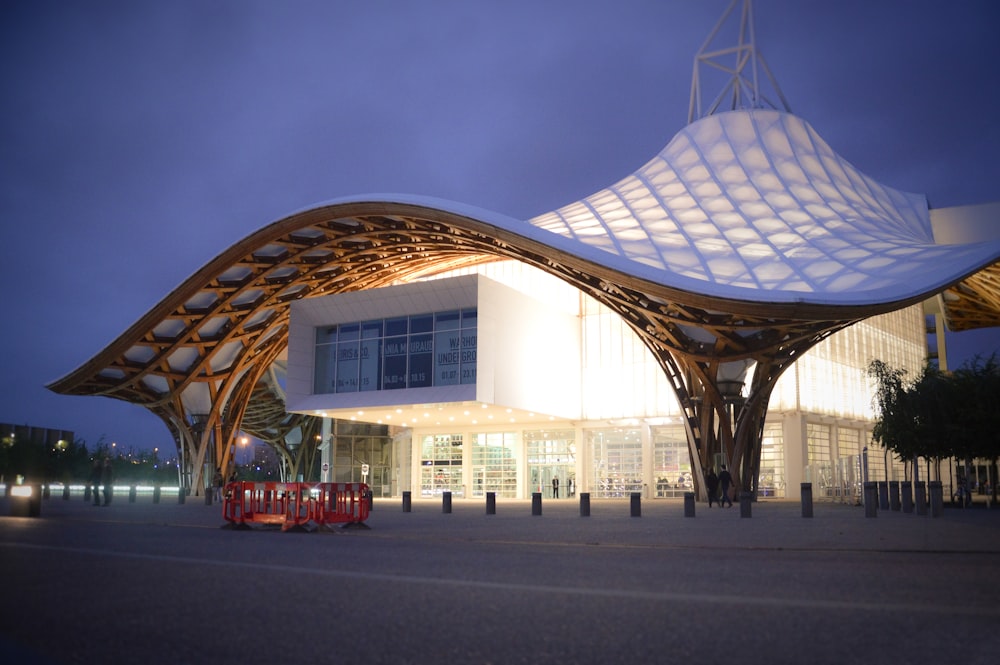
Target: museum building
{"x": 506, "y": 379}
{"x": 718, "y": 306}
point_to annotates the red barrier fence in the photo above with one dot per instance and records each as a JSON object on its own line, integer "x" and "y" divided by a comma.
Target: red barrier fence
{"x": 295, "y": 505}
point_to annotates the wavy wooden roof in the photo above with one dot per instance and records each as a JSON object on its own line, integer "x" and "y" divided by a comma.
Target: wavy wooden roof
{"x": 746, "y": 238}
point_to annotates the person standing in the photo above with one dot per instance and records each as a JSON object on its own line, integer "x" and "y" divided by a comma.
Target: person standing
{"x": 726, "y": 481}
{"x": 555, "y": 487}
{"x": 107, "y": 477}
{"x": 712, "y": 486}
{"x": 95, "y": 481}
{"x": 217, "y": 483}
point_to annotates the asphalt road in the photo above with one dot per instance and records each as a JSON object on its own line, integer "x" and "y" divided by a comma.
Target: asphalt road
{"x": 152, "y": 584}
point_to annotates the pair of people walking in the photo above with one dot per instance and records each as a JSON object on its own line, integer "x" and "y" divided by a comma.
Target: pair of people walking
{"x": 713, "y": 483}
{"x": 102, "y": 474}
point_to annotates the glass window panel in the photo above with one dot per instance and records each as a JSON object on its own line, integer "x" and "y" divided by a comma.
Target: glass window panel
{"x": 617, "y": 462}
{"x": 671, "y": 462}
{"x": 393, "y": 362}
{"x": 469, "y": 342}
{"x": 421, "y": 361}
{"x": 447, "y": 320}
{"x": 347, "y": 367}
{"x": 441, "y": 464}
{"x": 552, "y": 462}
{"x": 772, "y": 462}
{"x": 370, "y": 367}
{"x": 349, "y": 332}
{"x": 326, "y": 335}
{"x": 423, "y": 323}
{"x": 324, "y": 369}
{"x": 447, "y": 357}
{"x": 397, "y": 326}
{"x": 494, "y": 464}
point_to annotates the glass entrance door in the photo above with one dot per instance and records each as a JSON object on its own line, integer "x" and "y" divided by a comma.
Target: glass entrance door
{"x": 551, "y": 462}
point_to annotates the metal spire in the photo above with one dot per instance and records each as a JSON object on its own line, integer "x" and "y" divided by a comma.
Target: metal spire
{"x": 740, "y": 64}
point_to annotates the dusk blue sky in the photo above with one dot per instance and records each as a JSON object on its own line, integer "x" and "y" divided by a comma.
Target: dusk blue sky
{"x": 140, "y": 139}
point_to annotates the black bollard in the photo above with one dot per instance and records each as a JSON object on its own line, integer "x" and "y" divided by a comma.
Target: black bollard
{"x": 746, "y": 503}
{"x": 86, "y": 492}
{"x": 584, "y": 504}
{"x": 156, "y": 494}
{"x": 46, "y": 491}
{"x": 688, "y": 504}
{"x": 807, "y": 499}
{"x": 894, "y": 495}
{"x": 636, "y": 504}
{"x": 370, "y": 498}
{"x": 536, "y": 503}
{"x": 871, "y": 499}
{"x": 920, "y": 498}
{"x": 407, "y": 501}
{"x": 66, "y": 492}
{"x": 208, "y": 496}
{"x": 906, "y": 492}
{"x": 131, "y": 494}
{"x": 491, "y": 503}
{"x": 445, "y": 502}
{"x": 181, "y": 495}
{"x": 937, "y": 498}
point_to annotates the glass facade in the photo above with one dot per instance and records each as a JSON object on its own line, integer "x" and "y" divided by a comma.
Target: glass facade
{"x": 819, "y": 470}
{"x": 552, "y": 462}
{"x": 416, "y": 351}
{"x": 441, "y": 465}
{"x": 671, "y": 462}
{"x": 356, "y": 444}
{"x": 617, "y": 462}
{"x": 494, "y": 464}
{"x": 626, "y": 435}
{"x": 772, "y": 462}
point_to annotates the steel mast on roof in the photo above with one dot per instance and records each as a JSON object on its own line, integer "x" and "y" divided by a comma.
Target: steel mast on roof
{"x": 740, "y": 63}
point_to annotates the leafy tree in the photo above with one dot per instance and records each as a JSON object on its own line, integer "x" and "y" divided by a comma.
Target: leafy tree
{"x": 939, "y": 415}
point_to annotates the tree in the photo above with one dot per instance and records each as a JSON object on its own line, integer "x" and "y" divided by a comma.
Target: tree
{"x": 939, "y": 414}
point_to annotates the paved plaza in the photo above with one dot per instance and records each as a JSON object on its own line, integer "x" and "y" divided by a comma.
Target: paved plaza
{"x": 164, "y": 583}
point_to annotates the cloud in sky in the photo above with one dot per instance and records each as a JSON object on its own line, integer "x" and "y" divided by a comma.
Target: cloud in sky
{"x": 140, "y": 139}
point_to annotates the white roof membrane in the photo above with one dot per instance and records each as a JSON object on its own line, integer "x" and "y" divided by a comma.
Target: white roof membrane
{"x": 753, "y": 204}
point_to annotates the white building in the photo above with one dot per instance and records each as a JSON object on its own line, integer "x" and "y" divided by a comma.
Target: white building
{"x": 554, "y": 385}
